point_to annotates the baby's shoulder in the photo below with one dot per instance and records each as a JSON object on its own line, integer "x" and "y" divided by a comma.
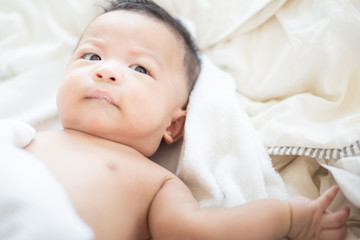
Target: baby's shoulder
{"x": 149, "y": 169}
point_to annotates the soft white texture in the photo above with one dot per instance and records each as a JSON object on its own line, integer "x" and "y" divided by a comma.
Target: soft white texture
{"x": 223, "y": 159}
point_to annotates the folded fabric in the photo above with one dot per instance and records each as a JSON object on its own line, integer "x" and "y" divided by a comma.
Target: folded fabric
{"x": 298, "y": 74}
{"x": 223, "y": 160}
{"x": 346, "y": 172}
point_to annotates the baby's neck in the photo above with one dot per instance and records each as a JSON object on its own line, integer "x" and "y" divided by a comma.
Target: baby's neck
{"x": 70, "y": 138}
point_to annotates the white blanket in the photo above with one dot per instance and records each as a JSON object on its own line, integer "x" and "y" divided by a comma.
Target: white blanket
{"x": 223, "y": 159}
{"x": 31, "y": 201}
{"x": 296, "y": 64}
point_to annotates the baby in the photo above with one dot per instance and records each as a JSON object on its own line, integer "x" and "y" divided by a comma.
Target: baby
{"x": 126, "y": 90}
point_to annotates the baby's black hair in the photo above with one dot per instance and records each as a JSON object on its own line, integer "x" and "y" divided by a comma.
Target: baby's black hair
{"x": 151, "y": 9}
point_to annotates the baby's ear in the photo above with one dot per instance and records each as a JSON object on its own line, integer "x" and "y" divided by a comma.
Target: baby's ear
{"x": 176, "y": 129}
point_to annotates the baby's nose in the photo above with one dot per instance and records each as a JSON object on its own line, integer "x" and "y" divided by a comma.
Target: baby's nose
{"x": 106, "y": 73}
{"x": 105, "y": 77}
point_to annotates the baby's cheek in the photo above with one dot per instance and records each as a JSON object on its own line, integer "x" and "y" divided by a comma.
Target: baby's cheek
{"x": 147, "y": 113}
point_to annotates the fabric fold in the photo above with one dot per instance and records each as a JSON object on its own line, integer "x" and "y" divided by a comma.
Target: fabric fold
{"x": 223, "y": 159}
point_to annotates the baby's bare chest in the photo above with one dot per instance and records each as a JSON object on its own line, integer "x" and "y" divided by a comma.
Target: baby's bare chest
{"x": 110, "y": 190}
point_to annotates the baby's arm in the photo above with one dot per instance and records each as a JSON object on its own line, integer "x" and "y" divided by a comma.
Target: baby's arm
{"x": 175, "y": 214}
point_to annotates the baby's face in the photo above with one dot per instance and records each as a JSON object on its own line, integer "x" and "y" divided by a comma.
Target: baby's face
{"x": 125, "y": 81}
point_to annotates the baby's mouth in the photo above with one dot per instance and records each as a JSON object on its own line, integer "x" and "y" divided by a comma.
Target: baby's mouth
{"x": 102, "y": 95}
{"x": 106, "y": 98}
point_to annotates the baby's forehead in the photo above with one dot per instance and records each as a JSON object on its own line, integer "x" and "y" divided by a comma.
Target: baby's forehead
{"x": 135, "y": 27}
{"x": 135, "y": 30}
{"x": 127, "y": 19}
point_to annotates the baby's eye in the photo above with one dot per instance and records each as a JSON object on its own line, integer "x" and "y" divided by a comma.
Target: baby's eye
{"x": 139, "y": 69}
{"x": 92, "y": 57}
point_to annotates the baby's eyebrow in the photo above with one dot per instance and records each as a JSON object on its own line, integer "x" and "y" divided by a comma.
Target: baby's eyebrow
{"x": 140, "y": 51}
{"x": 90, "y": 41}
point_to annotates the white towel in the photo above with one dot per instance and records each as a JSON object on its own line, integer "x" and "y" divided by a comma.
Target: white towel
{"x": 223, "y": 160}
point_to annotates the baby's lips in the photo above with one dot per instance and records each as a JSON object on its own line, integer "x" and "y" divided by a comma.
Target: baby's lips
{"x": 102, "y": 95}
